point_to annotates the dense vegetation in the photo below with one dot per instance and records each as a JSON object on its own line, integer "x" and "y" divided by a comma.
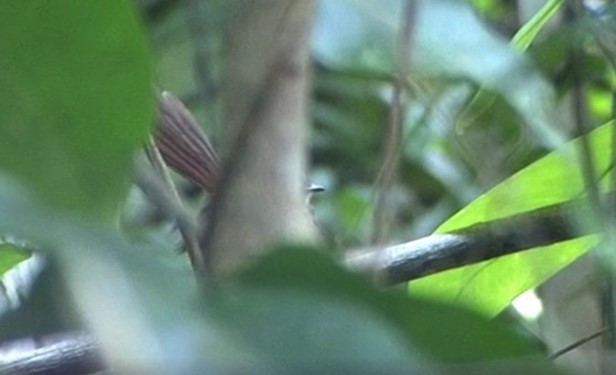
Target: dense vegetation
{"x": 424, "y": 118}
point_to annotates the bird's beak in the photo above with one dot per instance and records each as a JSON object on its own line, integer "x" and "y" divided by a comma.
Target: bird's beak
{"x": 314, "y": 188}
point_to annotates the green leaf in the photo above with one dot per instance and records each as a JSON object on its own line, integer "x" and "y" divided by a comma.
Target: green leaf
{"x": 490, "y": 286}
{"x": 75, "y": 99}
{"x": 521, "y": 40}
{"x": 10, "y": 256}
{"x": 296, "y": 307}
{"x": 528, "y": 32}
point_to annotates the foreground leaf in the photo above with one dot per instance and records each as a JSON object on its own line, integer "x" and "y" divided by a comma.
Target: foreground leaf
{"x": 490, "y": 286}
{"x": 75, "y": 99}
{"x": 298, "y": 309}
{"x": 137, "y": 300}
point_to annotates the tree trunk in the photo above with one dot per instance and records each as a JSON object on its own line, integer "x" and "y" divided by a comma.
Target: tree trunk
{"x": 260, "y": 199}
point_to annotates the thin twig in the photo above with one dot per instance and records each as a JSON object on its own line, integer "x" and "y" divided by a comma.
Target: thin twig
{"x": 186, "y": 226}
{"x": 578, "y": 343}
{"x": 393, "y": 139}
{"x": 478, "y": 243}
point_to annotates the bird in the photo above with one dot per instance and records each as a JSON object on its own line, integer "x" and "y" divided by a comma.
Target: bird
{"x": 184, "y": 146}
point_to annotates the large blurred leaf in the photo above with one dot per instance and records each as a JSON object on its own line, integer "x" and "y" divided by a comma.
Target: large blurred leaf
{"x": 490, "y": 286}
{"x": 528, "y": 32}
{"x": 297, "y": 308}
{"x": 75, "y": 99}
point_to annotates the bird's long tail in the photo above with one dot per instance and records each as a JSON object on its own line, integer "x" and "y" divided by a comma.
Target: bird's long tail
{"x": 183, "y": 145}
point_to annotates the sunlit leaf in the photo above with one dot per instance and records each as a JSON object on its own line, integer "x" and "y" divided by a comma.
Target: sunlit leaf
{"x": 10, "y": 256}
{"x": 75, "y": 99}
{"x": 528, "y": 32}
{"x": 490, "y": 286}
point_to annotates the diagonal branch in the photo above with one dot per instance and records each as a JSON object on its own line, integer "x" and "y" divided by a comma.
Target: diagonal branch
{"x": 484, "y": 241}
{"x": 74, "y": 353}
